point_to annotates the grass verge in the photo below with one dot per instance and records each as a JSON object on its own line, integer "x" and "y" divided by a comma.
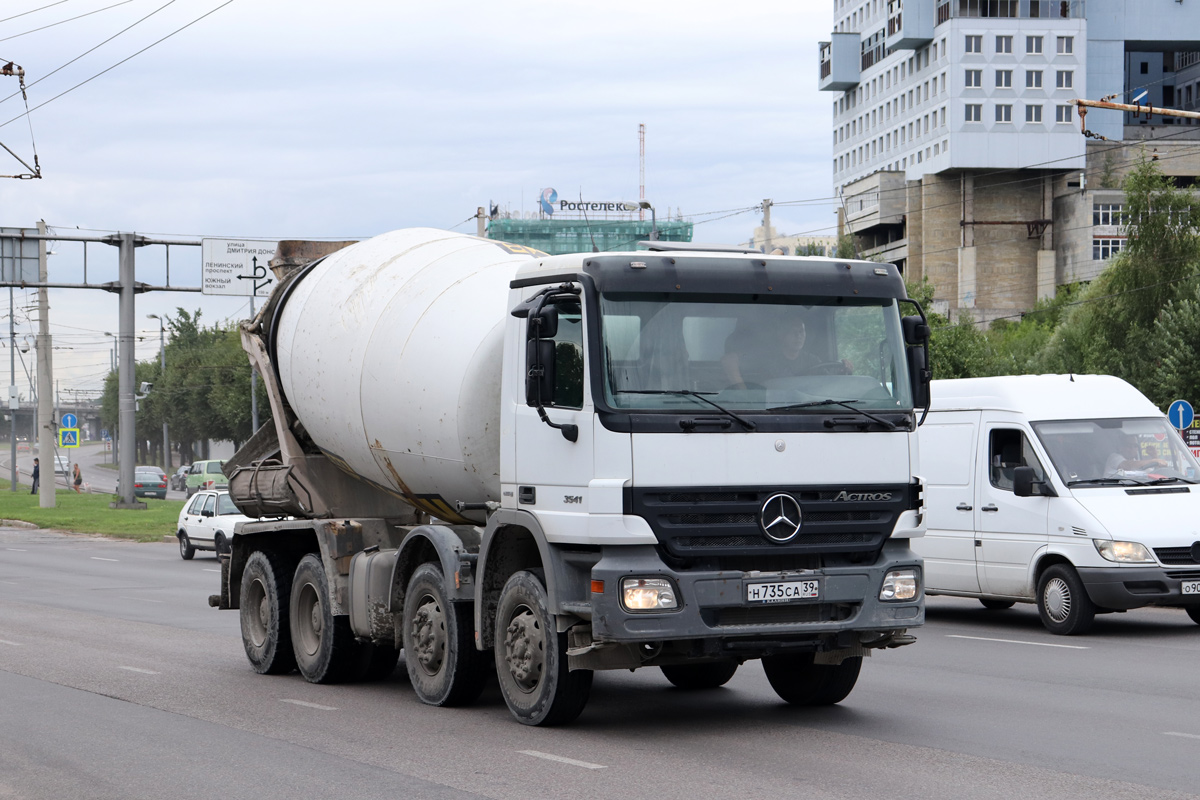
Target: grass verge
{"x": 89, "y": 513}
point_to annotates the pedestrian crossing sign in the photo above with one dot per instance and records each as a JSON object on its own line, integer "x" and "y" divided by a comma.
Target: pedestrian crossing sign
{"x": 68, "y": 437}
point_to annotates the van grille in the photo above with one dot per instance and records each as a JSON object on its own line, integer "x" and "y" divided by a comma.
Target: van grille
{"x": 1175, "y": 555}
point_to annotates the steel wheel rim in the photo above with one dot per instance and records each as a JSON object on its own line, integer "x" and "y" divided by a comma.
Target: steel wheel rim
{"x": 525, "y": 649}
{"x": 1057, "y": 597}
{"x": 428, "y": 632}
{"x": 183, "y": 544}
{"x": 259, "y": 612}
{"x": 310, "y": 619}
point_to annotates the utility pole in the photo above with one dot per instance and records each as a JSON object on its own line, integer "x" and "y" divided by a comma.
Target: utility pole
{"x": 480, "y": 231}
{"x": 162, "y": 355}
{"x": 126, "y": 402}
{"x": 767, "y": 248}
{"x": 45, "y": 402}
{"x": 254, "y": 382}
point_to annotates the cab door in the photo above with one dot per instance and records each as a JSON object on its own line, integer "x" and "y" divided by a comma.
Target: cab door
{"x": 553, "y": 472}
{"x": 1011, "y": 530}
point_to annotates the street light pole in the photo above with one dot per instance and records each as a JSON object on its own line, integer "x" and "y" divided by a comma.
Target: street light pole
{"x": 162, "y": 350}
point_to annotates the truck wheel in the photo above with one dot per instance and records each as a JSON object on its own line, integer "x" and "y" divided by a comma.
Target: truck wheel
{"x": 531, "y": 657}
{"x": 438, "y": 636}
{"x": 266, "y": 586}
{"x": 996, "y": 605}
{"x": 375, "y": 662}
{"x": 186, "y": 550}
{"x": 708, "y": 675}
{"x": 1063, "y": 603}
{"x": 1194, "y": 613}
{"x": 323, "y": 643}
{"x": 797, "y": 680}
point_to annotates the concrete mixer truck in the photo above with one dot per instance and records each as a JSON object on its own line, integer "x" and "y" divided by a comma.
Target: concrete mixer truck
{"x": 499, "y": 461}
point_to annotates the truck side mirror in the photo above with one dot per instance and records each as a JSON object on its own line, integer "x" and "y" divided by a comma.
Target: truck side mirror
{"x": 544, "y": 324}
{"x": 918, "y": 370}
{"x": 539, "y": 378}
{"x": 1024, "y": 484}
{"x": 916, "y": 331}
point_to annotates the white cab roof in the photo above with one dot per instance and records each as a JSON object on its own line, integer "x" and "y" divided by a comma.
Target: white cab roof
{"x": 1041, "y": 397}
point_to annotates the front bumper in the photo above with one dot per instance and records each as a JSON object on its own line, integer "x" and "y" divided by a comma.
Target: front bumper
{"x": 713, "y": 605}
{"x": 1122, "y": 588}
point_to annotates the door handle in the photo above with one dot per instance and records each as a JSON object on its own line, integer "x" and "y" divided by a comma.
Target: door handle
{"x": 989, "y": 508}
{"x": 962, "y": 507}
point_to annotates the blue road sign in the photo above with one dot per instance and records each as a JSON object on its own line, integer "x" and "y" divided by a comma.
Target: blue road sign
{"x": 69, "y": 421}
{"x": 104, "y": 433}
{"x": 1181, "y": 414}
{"x": 68, "y": 437}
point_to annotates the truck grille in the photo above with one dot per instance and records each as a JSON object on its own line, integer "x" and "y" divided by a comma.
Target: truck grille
{"x": 1175, "y": 555}
{"x": 723, "y": 522}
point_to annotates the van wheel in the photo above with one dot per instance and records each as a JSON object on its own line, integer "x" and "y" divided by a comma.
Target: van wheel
{"x": 700, "y": 676}
{"x": 797, "y": 680}
{"x": 443, "y": 665}
{"x": 1194, "y": 613}
{"x": 323, "y": 643}
{"x": 996, "y": 605}
{"x": 531, "y": 657}
{"x": 1063, "y": 603}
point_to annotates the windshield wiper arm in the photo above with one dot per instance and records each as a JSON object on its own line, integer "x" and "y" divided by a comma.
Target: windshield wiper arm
{"x": 891, "y": 426}
{"x": 1105, "y": 481}
{"x": 1158, "y": 481}
{"x": 747, "y": 424}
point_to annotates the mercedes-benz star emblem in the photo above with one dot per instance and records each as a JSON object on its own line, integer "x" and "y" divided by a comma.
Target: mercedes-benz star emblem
{"x": 780, "y": 518}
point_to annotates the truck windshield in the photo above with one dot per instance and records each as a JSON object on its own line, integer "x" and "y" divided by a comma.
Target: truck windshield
{"x": 1100, "y": 452}
{"x": 752, "y": 353}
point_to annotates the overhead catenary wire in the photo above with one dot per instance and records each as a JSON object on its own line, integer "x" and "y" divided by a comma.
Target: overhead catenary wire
{"x": 34, "y": 11}
{"x": 62, "y": 21}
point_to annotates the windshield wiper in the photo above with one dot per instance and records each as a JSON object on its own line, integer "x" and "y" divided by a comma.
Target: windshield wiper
{"x": 1106, "y": 481}
{"x": 747, "y": 424}
{"x": 891, "y": 426}
{"x": 1158, "y": 481}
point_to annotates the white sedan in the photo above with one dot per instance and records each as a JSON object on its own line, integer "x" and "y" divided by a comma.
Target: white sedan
{"x": 206, "y": 523}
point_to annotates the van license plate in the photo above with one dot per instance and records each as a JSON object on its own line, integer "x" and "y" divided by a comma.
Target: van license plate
{"x": 782, "y": 591}
{"x": 1191, "y": 587}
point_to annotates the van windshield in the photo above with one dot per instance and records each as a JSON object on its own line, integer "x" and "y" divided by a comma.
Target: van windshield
{"x": 752, "y": 353}
{"x": 1104, "y": 452}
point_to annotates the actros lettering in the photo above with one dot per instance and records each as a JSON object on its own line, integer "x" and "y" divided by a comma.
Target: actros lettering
{"x": 859, "y": 497}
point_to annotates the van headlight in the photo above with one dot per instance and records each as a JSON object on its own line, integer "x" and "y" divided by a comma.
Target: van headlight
{"x": 1123, "y": 552}
{"x": 900, "y": 585}
{"x": 649, "y": 594}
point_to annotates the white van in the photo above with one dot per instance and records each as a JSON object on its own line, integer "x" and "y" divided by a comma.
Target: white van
{"x": 1071, "y": 491}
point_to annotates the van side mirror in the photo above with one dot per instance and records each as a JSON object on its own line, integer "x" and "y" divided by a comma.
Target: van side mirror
{"x": 1024, "y": 484}
{"x": 539, "y": 380}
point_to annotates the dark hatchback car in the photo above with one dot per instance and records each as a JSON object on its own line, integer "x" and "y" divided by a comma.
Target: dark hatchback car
{"x": 148, "y": 483}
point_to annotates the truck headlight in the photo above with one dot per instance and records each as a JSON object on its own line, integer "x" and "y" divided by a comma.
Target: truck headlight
{"x": 648, "y": 594}
{"x": 1123, "y": 552}
{"x": 899, "y": 585}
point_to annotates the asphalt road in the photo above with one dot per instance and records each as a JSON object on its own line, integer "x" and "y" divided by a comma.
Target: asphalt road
{"x": 118, "y": 681}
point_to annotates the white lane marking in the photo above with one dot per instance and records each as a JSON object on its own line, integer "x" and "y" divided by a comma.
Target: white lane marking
{"x": 1184, "y": 735}
{"x": 562, "y": 759}
{"x": 307, "y": 705}
{"x": 139, "y": 669}
{"x": 98, "y": 558}
{"x": 15, "y": 550}
{"x": 140, "y": 599}
{"x": 1018, "y": 641}
{"x": 11, "y": 583}
{"x": 207, "y": 569}
{"x": 14, "y": 644}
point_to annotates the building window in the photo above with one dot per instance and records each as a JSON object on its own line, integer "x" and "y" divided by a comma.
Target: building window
{"x": 1033, "y": 79}
{"x": 1003, "y": 44}
{"x": 1033, "y": 44}
{"x": 1033, "y": 113}
{"x": 1066, "y": 44}
{"x": 1103, "y": 249}
{"x": 1108, "y": 214}
{"x": 1064, "y": 114}
{"x": 1066, "y": 79}
{"x": 974, "y": 78}
{"x": 1004, "y": 79}
{"x": 974, "y": 112}
{"x": 1145, "y": 68}
{"x": 974, "y": 44}
{"x": 1003, "y": 113}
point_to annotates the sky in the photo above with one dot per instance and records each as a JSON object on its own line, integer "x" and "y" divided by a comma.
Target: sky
{"x": 293, "y": 119}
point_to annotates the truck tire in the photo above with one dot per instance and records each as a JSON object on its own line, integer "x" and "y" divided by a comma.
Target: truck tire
{"x": 996, "y": 605}
{"x": 708, "y": 675}
{"x": 531, "y": 657}
{"x": 797, "y": 680}
{"x": 1194, "y": 613}
{"x": 438, "y": 636}
{"x": 375, "y": 662}
{"x": 323, "y": 643}
{"x": 1063, "y": 603}
{"x": 266, "y": 587}
{"x": 186, "y": 549}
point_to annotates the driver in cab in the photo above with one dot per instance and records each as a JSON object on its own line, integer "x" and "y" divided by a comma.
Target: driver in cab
{"x": 753, "y": 357}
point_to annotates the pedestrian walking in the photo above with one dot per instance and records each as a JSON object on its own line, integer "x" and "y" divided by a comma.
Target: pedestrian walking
{"x": 37, "y": 473}
{"x": 78, "y": 479}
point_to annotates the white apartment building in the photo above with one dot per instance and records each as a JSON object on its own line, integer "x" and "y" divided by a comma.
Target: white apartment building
{"x": 956, "y": 137}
